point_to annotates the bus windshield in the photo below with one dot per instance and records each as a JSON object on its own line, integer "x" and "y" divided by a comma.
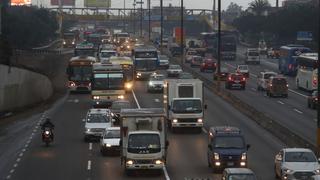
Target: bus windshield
{"x": 114, "y": 81}
{"x": 146, "y": 65}
{"x": 128, "y": 71}
{"x": 84, "y": 52}
{"x": 148, "y": 54}
{"x": 80, "y": 73}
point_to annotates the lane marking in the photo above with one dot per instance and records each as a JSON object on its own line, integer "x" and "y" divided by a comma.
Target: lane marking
{"x": 166, "y": 173}
{"x": 90, "y": 146}
{"x": 18, "y": 160}
{"x": 253, "y": 89}
{"x": 280, "y": 102}
{"x": 204, "y": 130}
{"x": 23, "y": 150}
{"x": 11, "y": 171}
{"x": 296, "y": 110}
{"x": 135, "y": 98}
{"x": 76, "y": 100}
{"x": 298, "y": 93}
{"x": 315, "y": 120}
{"x": 83, "y": 120}
{"x": 21, "y": 154}
{"x": 156, "y": 100}
{"x": 15, "y": 165}
{"x": 9, "y": 176}
{"x": 89, "y": 165}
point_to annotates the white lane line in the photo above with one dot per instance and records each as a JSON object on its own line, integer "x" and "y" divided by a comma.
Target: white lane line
{"x": 89, "y": 165}
{"x": 21, "y": 154}
{"x": 8, "y": 177}
{"x": 166, "y": 173}
{"x": 11, "y": 171}
{"x": 90, "y": 146}
{"x": 23, "y": 150}
{"x": 296, "y": 110}
{"x": 135, "y": 98}
{"x": 253, "y": 75}
{"x": 204, "y": 130}
{"x": 315, "y": 120}
{"x": 18, "y": 160}
{"x": 156, "y": 100}
{"x": 26, "y": 145}
{"x": 280, "y": 102}
{"x": 15, "y": 165}
{"x": 298, "y": 93}
{"x": 83, "y": 120}
{"x": 76, "y": 100}
{"x": 253, "y": 89}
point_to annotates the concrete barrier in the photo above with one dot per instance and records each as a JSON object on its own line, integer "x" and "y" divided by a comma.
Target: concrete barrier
{"x": 20, "y": 88}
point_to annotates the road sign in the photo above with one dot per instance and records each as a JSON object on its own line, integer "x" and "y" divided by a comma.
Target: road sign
{"x": 304, "y": 36}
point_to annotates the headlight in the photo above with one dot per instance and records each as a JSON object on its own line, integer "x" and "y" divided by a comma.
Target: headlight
{"x": 88, "y": 129}
{"x": 138, "y": 74}
{"x": 244, "y": 156}
{"x": 64, "y": 42}
{"x": 158, "y": 162}
{"x": 128, "y": 85}
{"x": 150, "y": 83}
{"x": 216, "y": 156}
{"x": 108, "y": 145}
{"x": 199, "y": 120}
{"x": 121, "y": 97}
{"x": 112, "y": 114}
{"x": 73, "y": 42}
{"x": 47, "y": 132}
{"x": 317, "y": 171}
{"x": 128, "y": 47}
{"x": 96, "y": 97}
{"x": 175, "y": 120}
{"x": 129, "y": 162}
{"x": 288, "y": 171}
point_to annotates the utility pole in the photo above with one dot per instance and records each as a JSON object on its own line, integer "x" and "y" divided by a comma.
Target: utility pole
{"x": 124, "y": 15}
{"x": 60, "y": 19}
{"x": 141, "y": 14}
{"x": 277, "y": 3}
{"x": 149, "y": 14}
{"x": 219, "y": 44}
{"x": 181, "y": 37}
{"x": 161, "y": 24}
{"x": 213, "y": 14}
{"x": 318, "y": 107}
{"x": 134, "y": 17}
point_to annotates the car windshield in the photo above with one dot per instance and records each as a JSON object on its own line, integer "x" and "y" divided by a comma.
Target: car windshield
{"x": 80, "y": 73}
{"x": 112, "y": 134}
{"x": 242, "y": 177}
{"x": 185, "y": 76}
{"x": 97, "y": 118}
{"x": 163, "y": 57}
{"x": 174, "y": 67}
{"x": 267, "y": 76}
{"x": 236, "y": 142}
{"x": 156, "y": 78}
{"x": 147, "y": 54}
{"x": 199, "y": 59}
{"x": 243, "y": 67}
{"x": 300, "y": 157}
{"x": 108, "y": 54}
{"x": 146, "y": 65}
{"x": 120, "y": 105}
{"x": 114, "y": 81}
{"x": 192, "y": 52}
{"x": 144, "y": 143}
{"x": 187, "y": 106}
{"x": 279, "y": 81}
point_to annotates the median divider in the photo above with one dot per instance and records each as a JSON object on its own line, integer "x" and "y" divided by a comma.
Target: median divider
{"x": 290, "y": 138}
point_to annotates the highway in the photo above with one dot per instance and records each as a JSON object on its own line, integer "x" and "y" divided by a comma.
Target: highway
{"x": 291, "y": 112}
{"x": 70, "y": 157}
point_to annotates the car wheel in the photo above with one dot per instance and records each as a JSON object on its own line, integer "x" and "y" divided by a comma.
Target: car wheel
{"x": 243, "y": 87}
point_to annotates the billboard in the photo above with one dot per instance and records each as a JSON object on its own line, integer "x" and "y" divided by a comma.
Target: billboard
{"x": 20, "y": 2}
{"x": 304, "y": 36}
{"x": 97, "y": 3}
{"x": 63, "y": 2}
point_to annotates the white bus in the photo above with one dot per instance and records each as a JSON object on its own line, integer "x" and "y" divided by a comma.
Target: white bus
{"x": 307, "y": 76}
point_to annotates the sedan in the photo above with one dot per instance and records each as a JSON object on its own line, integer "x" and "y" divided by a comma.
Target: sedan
{"x": 155, "y": 83}
{"x": 174, "y": 70}
{"x": 164, "y": 61}
{"x": 208, "y": 64}
{"x": 235, "y": 80}
{"x": 224, "y": 72}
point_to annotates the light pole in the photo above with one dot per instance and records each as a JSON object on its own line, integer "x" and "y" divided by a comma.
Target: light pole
{"x": 149, "y": 14}
{"x": 124, "y": 15}
{"x": 134, "y": 17}
{"x": 219, "y": 45}
{"x": 182, "y": 31}
{"x": 161, "y": 24}
{"x": 318, "y": 107}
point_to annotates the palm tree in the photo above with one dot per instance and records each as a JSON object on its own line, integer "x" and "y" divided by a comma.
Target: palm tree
{"x": 258, "y": 7}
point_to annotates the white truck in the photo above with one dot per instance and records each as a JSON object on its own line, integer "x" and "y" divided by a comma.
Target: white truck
{"x": 143, "y": 139}
{"x": 183, "y": 102}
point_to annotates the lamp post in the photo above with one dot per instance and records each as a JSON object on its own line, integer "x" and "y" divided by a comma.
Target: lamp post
{"x": 182, "y": 31}
{"x": 161, "y": 24}
{"x": 134, "y": 17}
{"x": 219, "y": 45}
{"x": 124, "y": 15}
{"x": 318, "y": 107}
{"x": 149, "y": 20}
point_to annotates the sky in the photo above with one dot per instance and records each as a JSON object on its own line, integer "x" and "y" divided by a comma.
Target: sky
{"x": 194, "y": 4}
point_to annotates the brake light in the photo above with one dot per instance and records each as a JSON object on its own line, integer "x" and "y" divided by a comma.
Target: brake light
{"x": 314, "y": 81}
{"x": 243, "y": 79}
{"x": 230, "y": 79}
{"x": 203, "y": 64}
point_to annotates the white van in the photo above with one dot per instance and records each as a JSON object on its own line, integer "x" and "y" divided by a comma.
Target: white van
{"x": 252, "y": 56}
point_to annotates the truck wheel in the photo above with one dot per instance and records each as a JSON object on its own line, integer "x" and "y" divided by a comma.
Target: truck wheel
{"x": 128, "y": 172}
{"x": 199, "y": 130}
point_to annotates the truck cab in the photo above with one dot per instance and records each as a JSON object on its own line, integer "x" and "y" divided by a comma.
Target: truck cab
{"x": 143, "y": 139}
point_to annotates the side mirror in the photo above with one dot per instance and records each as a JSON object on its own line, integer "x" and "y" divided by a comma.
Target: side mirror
{"x": 205, "y": 106}
{"x": 248, "y": 146}
{"x": 210, "y": 147}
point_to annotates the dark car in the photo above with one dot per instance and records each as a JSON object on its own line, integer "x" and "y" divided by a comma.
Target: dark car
{"x": 116, "y": 108}
{"x": 226, "y": 148}
{"x": 313, "y": 100}
{"x": 224, "y": 72}
{"x": 277, "y": 86}
{"x": 196, "y": 61}
{"x": 208, "y": 64}
{"x": 236, "y": 80}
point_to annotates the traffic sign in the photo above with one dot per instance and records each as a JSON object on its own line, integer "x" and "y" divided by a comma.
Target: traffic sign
{"x": 304, "y": 36}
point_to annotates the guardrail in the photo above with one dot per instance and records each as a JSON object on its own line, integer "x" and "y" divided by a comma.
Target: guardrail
{"x": 36, "y": 52}
{"x": 58, "y": 41}
{"x": 283, "y": 133}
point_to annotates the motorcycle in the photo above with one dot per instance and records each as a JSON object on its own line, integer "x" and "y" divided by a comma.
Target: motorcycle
{"x": 47, "y": 136}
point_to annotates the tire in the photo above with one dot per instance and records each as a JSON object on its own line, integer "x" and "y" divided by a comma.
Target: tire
{"x": 244, "y": 88}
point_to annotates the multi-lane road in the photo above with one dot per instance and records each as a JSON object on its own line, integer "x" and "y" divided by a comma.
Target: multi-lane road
{"x": 23, "y": 155}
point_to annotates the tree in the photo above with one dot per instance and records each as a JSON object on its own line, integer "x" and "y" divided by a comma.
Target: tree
{"x": 234, "y": 7}
{"x": 259, "y": 7}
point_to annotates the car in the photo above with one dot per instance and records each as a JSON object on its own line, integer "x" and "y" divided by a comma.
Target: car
{"x": 315, "y": 177}
{"x": 226, "y": 148}
{"x": 196, "y": 61}
{"x": 235, "y": 80}
{"x": 277, "y": 86}
{"x": 164, "y": 61}
{"x": 174, "y": 70}
{"x": 190, "y": 53}
{"x": 155, "y": 83}
{"x": 252, "y": 56}
{"x": 105, "y": 55}
{"x": 96, "y": 121}
{"x": 273, "y": 52}
{"x": 296, "y": 164}
{"x": 208, "y": 64}
{"x": 110, "y": 141}
{"x": 185, "y": 75}
{"x": 243, "y": 69}
{"x": 116, "y": 107}
{"x": 313, "y": 100}
{"x": 175, "y": 50}
{"x": 263, "y": 79}
{"x": 224, "y": 72}
{"x": 238, "y": 174}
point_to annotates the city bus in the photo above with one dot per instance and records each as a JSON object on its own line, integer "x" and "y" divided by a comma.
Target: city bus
{"x": 127, "y": 67}
{"x": 288, "y": 54}
{"x": 121, "y": 37}
{"x": 79, "y": 72}
{"x": 107, "y": 84}
{"x": 307, "y": 75}
{"x": 84, "y": 48}
{"x": 146, "y": 61}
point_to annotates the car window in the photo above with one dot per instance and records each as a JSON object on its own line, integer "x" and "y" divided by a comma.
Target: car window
{"x": 174, "y": 67}
{"x": 97, "y": 118}
{"x": 267, "y": 76}
{"x": 279, "y": 81}
{"x": 300, "y": 157}
{"x": 236, "y": 142}
{"x": 242, "y": 177}
{"x": 243, "y": 67}
{"x": 156, "y": 78}
{"x": 112, "y": 134}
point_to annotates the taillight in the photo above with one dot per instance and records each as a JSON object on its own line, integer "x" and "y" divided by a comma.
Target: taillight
{"x": 89, "y": 84}
{"x": 230, "y": 79}
{"x": 290, "y": 66}
{"x": 243, "y": 79}
{"x": 314, "y": 81}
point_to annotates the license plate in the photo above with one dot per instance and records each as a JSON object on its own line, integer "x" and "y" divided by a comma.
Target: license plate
{"x": 236, "y": 81}
{"x": 230, "y": 164}
{"x": 144, "y": 167}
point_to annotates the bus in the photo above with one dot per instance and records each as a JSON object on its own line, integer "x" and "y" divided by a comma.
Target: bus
{"x": 287, "y": 61}
{"x": 146, "y": 61}
{"x": 307, "y": 75}
{"x": 127, "y": 67}
{"x": 121, "y": 37}
{"x": 95, "y": 39}
{"x": 79, "y": 72}
{"x": 107, "y": 84}
{"x": 84, "y": 49}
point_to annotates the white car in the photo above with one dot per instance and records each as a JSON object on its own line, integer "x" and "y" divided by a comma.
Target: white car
{"x": 97, "y": 120}
{"x": 105, "y": 55}
{"x": 296, "y": 164}
{"x": 263, "y": 79}
{"x": 156, "y": 82}
{"x": 238, "y": 173}
{"x": 164, "y": 61}
{"x": 190, "y": 53}
{"x": 174, "y": 70}
{"x": 243, "y": 69}
{"x": 110, "y": 141}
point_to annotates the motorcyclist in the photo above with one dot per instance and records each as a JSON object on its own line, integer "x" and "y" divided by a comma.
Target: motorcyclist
{"x": 48, "y": 124}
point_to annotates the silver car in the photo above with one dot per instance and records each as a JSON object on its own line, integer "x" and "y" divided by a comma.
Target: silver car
{"x": 174, "y": 70}
{"x": 156, "y": 82}
{"x": 110, "y": 141}
{"x": 163, "y": 61}
{"x": 238, "y": 173}
{"x": 296, "y": 164}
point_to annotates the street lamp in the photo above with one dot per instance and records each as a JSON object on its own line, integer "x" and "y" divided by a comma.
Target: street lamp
{"x": 219, "y": 45}
{"x": 149, "y": 14}
{"x": 141, "y": 14}
{"x": 318, "y": 107}
{"x": 181, "y": 37}
{"x": 161, "y": 24}
{"x": 134, "y": 17}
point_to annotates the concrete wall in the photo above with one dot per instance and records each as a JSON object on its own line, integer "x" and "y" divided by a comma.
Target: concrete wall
{"x": 21, "y": 88}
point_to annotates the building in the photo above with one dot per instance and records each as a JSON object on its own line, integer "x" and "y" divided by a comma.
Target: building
{"x": 299, "y": 2}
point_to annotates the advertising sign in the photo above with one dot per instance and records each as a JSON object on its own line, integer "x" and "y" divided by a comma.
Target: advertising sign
{"x": 97, "y": 3}
{"x": 63, "y": 2}
{"x": 304, "y": 36}
{"x": 20, "y": 2}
